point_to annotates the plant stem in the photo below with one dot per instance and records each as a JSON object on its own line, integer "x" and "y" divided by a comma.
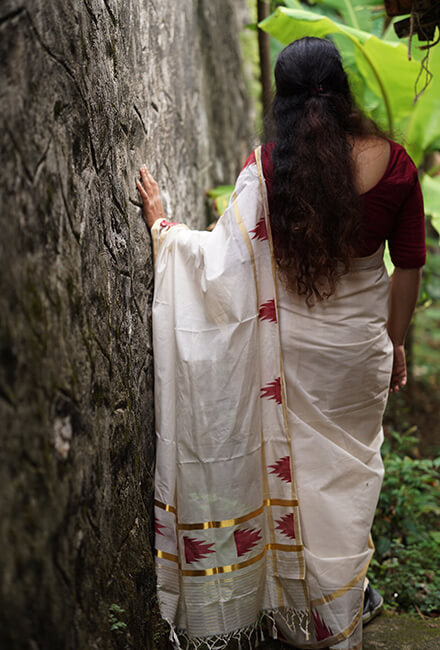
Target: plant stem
{"x": 351, "y": 13}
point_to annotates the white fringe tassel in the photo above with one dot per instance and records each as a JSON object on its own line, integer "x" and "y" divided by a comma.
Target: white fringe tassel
{"x": 181, "y": 640}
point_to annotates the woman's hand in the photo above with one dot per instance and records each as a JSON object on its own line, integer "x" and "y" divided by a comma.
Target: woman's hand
{"x": 398, "y": 374}
{"x": 149, "y": 191}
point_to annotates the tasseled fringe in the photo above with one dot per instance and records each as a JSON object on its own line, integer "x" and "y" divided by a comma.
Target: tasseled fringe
{"x": 292, "y": 617}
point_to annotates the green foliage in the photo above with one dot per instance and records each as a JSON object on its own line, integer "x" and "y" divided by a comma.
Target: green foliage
{"x": 430, "y": 290}
{"x": 220, "y": 196}
{"x": 423, "y": 128}
{"x": 406, "y": 565}
{"x": 382, "y": 78}
{"x": 427, "y": 341}
{"x": 114, "y": 617}
{"x": 431, "y": 198}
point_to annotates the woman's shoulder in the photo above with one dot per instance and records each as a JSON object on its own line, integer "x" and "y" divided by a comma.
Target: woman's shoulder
{"x": 385, "y": 161}
{"x": 266, "y": 154}
{"x": 401, "y": 167}
{"x": 373, "y": 145}
{"x": 400, "y": 151}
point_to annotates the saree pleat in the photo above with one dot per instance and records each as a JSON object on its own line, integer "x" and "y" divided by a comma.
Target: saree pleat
{"x": 268, "y": 417}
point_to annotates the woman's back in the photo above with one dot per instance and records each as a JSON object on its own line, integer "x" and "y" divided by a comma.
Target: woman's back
{"x": 391, "y": 199}
{"x": 371, "y": 156}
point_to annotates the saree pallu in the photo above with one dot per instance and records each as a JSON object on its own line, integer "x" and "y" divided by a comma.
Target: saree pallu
{"x": 268, "y": 418}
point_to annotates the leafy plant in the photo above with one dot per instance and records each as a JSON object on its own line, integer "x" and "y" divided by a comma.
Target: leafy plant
{"x": 406, "y": 565}
{"x": 114, "y": 618}
{"x": 220, "y": 196}
{"x": 431, "y": 198}
{"x": 427, "y": 340}
{"x": 382, "y": 78}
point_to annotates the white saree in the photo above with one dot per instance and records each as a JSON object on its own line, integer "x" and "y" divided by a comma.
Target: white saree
{"x": 268, "y": 418}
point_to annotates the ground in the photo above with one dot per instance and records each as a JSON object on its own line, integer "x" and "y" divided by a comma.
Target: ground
{"x": 391, "y": 632}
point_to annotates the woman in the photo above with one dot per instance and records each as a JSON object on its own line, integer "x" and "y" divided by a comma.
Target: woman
{"x": 275, "y": 350}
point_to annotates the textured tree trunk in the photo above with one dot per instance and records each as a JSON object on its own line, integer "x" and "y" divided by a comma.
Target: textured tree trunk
{"x": 92, "y": 89}
{"x": 263, "y": 11}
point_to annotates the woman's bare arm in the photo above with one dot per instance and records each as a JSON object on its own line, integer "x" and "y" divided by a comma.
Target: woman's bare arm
{"x": 405, "y": 287}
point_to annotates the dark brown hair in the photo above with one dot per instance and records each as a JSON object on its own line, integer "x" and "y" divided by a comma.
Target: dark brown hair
{"x": 315, "y": 209}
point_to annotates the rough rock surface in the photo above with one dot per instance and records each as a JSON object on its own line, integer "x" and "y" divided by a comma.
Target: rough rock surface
{"x": 90, "y": 90}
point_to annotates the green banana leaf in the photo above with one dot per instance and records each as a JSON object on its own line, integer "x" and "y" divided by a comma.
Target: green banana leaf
{"x": 361, "y": 14}
{"x": 423, "y": 130}
{"x": 292, "y": 4}
{"x": 431, "y": 198}
{"x": 382, "y": 78}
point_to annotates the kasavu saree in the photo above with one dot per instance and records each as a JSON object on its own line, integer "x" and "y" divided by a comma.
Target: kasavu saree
{"x": 268, "y": 420}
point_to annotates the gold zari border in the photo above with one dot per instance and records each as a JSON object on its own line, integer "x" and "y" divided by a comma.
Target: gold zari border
{"x": 330, "y": 641}
{"x": 166, "y": 556}
{"x": 230, "y": 567}
{"x": 282, "y": 379}
{"x": 226, "y": 523}
{"x": 342, "y": 590}
{"x": 247, "y": 240}
{"x": 155, "y": 235}
{"x": 281, "y": 502}
{"x": 348, "y": 631}
{"x": 274, "y": 278}
{"x": 165, "y": 506}
{"x": 158, "y": 236}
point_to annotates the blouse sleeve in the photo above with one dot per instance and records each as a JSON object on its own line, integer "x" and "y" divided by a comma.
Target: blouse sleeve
{"x": 407, "y": 240}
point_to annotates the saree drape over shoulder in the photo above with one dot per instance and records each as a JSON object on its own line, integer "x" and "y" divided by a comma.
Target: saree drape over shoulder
{"x": 268, "y": 416}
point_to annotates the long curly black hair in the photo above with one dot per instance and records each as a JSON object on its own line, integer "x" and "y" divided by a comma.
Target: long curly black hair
{"x": 315, "y": 210}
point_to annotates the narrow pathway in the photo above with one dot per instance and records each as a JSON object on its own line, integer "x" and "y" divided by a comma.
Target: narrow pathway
{"x": 389, "y": 632}
{"x": 402, "y": 633}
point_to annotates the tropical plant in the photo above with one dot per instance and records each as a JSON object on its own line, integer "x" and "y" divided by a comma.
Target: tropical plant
{"x": 383, "y": 80}
{"x": 406, "y": 565}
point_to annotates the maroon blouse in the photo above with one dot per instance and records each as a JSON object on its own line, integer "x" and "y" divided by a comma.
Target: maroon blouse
{"x": 392, "y": 209}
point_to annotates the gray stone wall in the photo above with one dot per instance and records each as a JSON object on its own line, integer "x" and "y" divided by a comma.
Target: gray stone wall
{"x": 90, "y": 90}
